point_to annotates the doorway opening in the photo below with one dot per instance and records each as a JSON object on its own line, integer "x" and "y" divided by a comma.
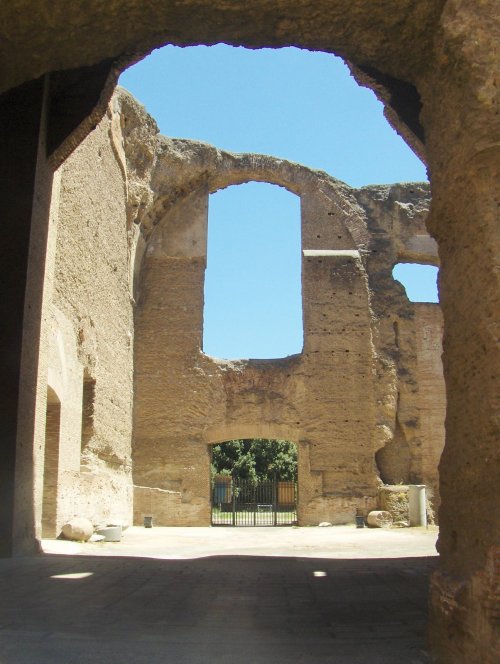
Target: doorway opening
{"x": 254, "y": 483}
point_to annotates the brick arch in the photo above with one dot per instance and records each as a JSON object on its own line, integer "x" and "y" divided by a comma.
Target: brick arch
{"x": 196, "y": 170}
{"x": 203, "y": 168}
{"x": 183, "y": 173}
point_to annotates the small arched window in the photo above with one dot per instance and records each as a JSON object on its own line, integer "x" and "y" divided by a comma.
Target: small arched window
{"x": 419, "y": 281}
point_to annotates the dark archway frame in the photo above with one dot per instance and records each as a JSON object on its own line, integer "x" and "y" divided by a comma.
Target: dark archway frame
{"x": 433, "y": 64}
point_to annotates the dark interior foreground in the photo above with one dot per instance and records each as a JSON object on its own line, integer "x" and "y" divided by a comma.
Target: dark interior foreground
{"x": 216, "y": 609}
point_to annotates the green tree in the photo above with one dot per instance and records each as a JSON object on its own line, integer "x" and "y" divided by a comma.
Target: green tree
{"x": 255, "y": 459}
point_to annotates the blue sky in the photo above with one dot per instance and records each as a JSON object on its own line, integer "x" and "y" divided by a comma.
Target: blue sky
{"x": 298, "y": 105}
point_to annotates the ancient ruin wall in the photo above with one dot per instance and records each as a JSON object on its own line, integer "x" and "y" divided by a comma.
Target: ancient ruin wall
{"x": 185, "y": 400}
{"x": 132, "y": 223}
{"x": 360, "y": 338}
{"x": 90, "y": 336}
{"x": 431, "y": 393}
{"x": 408, "y": 338}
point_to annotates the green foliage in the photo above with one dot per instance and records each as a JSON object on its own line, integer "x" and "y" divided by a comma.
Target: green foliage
{"x": 255, "y": 459}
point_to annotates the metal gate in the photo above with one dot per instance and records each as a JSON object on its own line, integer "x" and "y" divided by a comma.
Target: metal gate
{"x": 237, "y": 502}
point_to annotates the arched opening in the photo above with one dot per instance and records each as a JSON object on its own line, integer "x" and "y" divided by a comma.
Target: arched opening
{"x": 51, "y": 464}
{"x": 254, "y": 482}
{"x": 252, "y": 303}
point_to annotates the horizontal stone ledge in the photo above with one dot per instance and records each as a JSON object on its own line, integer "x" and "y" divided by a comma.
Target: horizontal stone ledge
{"x": 349, "y": 253}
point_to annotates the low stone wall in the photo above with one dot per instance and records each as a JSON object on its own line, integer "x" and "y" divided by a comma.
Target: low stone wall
{"x": 167, "y": 509}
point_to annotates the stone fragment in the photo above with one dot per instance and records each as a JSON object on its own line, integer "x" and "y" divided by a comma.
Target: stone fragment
{"x": 78, "y": 529}
{"x": 379, "y": 519}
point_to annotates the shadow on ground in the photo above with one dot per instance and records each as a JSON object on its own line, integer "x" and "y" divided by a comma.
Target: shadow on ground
{"x": 220, "y": 609}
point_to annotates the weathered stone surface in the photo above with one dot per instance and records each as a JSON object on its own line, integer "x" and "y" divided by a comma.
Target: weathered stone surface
{"x": 374, "y": 40}
{"x": 357, "y": 322}
{"x": 377, "y": 35}
{"x": 78, "y": 529}
{"x": 352, "y": 391}
{"x": 407, "y": 336}
{"x": 88, "y": 323}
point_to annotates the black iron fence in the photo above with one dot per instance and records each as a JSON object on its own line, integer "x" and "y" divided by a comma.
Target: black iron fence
{"x": 237, "y": 502}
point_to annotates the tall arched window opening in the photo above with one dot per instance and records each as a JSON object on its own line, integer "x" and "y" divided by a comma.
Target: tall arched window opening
{"x": 253, "y": 304}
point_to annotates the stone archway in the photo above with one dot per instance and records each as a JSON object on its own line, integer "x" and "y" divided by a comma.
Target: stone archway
{"x": 267, "y": 492}
{"x": 439, "y": 53}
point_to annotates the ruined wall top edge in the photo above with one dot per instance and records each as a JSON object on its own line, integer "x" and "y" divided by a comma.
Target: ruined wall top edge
{"x": 161, "y": 170}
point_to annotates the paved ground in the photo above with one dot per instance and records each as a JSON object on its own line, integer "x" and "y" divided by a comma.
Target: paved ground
{"x": 200, "y": 595}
